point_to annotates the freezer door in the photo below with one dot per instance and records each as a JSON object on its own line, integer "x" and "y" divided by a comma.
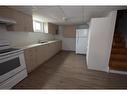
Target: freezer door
{"x": 81, "y": 45}
{"x": 82, "y": 33}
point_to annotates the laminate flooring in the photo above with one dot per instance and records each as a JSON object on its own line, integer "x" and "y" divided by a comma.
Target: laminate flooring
{"x": 66, "y": 70}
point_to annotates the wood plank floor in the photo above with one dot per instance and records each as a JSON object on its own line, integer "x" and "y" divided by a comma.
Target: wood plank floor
{"x": 67, "y": 70}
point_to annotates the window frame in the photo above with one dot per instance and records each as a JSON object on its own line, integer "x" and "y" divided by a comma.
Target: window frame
{"x": 41, "y": 26}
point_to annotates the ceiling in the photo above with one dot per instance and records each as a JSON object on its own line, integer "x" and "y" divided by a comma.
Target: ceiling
{"x": 67, "y": 14}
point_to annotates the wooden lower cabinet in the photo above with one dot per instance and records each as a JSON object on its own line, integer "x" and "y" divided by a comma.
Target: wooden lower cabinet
{"x": 37, "y": 55}
{"x": 30, "y": 58}
{"x": 42, "y": 54}
{"x": 52, "y": 49}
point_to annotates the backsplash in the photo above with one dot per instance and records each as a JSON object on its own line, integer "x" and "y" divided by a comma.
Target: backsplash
{"x": 23, "y": 38}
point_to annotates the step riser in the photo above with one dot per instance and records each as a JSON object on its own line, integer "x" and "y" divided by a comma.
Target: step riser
{"x": 118, "y": 66}
{"x": 118, "y": 39}
{"x": 119, "y": 58}
{"x": 118, "y": 45}
{"x": 119, "y": 51}
{"x": 119, "y": 42}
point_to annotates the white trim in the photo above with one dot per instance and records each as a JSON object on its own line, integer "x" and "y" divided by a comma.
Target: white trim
{"x": 118, "y": 72}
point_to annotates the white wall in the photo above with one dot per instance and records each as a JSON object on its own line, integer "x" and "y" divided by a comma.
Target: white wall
{"x": 67, "y": 43}
{"x": 100, "y": 41}
{"x": 23, "y": 38}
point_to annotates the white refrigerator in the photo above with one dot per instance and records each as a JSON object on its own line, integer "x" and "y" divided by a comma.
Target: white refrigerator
{"x": 81, "y": 41}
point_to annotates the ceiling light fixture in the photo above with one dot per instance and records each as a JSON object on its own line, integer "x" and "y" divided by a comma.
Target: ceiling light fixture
{"x": 65, "y": 18}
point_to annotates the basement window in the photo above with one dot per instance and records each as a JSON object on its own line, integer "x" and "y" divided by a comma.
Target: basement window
{"x": 38, "y": 26}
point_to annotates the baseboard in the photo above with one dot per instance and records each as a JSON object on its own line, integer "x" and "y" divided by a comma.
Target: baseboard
{"x": 68, "y": 50}
{"x": 118, "y": 72}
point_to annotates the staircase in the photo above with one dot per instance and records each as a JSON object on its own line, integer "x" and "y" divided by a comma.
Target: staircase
{"x": 118, "y": 58}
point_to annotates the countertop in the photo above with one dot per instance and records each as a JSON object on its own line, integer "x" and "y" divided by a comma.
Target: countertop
{"x": 34, "y": 45}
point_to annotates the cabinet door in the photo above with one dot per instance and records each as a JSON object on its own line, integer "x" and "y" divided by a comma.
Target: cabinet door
{"x": 58, "y": 46}
{"x": 19, "y": 18}
{"x": 30, "y": 59}
{"x": 42, "y": 54}
{"x": 24, "y": 22}
{"x": 28, "y": 23}
{"x": 52, "y": 28}
{"x": 51, "y": 49}
{"x": 15, "y": 15}
{"x": 69, "y": 31}
{"x": 5, "y": 12}
{"x": 54, "y": 48}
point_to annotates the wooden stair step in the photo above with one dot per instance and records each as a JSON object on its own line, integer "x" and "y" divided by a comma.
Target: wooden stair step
{"x": 118, "y": 45}
{"x": 119, "y": 51}
{"x": 118, "y": 57}
{"x": 117, "y": 36}
{"x": 117, "y": 33}
{"x": 118, "y": 65}
{"x": 118, "y": 40}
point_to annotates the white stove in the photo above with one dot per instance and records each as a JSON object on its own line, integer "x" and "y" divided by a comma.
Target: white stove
{"x": 12, "y": 65}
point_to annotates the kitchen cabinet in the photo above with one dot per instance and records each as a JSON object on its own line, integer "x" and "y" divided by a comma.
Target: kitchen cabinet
{"x": 19, "y": 18}
{"x": 42, "y": 54}
{"x": 5, "y": 12}
{"x": 37, "y": 55}
{"x": 28, "y": 23}
{"x": 69, "y": 31}
{"x": 50, "y": 28}
{"x": 30, "y": 58}
{"x": 24, "y": 22}
{"x": 54, "y": 47}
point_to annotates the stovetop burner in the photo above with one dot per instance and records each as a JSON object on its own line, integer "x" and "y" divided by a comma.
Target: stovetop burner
{"x": 7, "y": 50}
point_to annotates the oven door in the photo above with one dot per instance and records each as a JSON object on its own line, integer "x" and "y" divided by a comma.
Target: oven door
{"x": 10, "y": 65}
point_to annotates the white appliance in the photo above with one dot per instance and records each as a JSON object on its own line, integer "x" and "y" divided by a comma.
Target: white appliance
{"x": 12, "y": 65}
{"x": 81, "y": 41}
